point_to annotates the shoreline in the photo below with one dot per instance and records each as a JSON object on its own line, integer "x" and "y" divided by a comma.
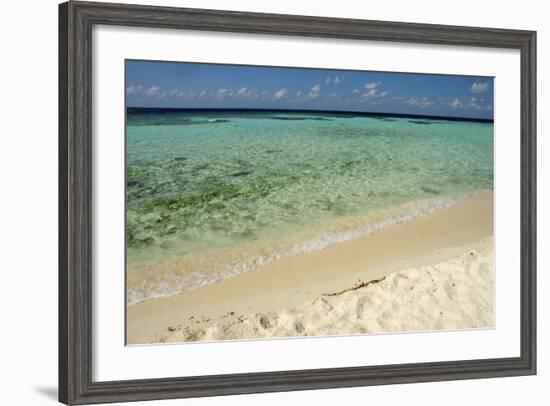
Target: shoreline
{"x": 430, "y": 239}
{"x": 457, "y": 294}
{"x": 170, "y": 276}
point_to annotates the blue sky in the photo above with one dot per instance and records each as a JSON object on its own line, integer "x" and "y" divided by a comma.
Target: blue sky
{"x": 191, "y": 85}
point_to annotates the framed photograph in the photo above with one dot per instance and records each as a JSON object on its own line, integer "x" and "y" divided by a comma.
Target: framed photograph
{"x": 259, "y": 202}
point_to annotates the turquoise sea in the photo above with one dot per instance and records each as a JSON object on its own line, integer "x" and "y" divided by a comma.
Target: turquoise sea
{"x": 214, "y": 193}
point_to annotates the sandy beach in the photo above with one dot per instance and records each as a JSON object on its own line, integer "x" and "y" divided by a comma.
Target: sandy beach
{"x": 433, "y": 272}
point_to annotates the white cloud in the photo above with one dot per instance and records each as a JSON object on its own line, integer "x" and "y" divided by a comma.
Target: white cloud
{"x": 422, "y": 103}
{"x": 315, "y": 91}
{"x": 335, "y": 81}
{"x": 202, "y": 94}
{"x": 474, "y": 104}
{"x": 134, "y": 89}
{"x": 221, "y": 93}
{"x": 479, "y": 104}
{"x": 370, "y": 93}
{"x": 246, "y": 92}
{"x": 479, "y": 87}
{"x": 355, "y": 91}
{"x": 177, "y": 93}
{"x": 298, "y": 94}
{"x": 279, "y": 94}
{"x": 372, "y": 90}
{"x": 152, "y": 91}
{"x": 456, "y": 104}
{"x": 372, "y": 85}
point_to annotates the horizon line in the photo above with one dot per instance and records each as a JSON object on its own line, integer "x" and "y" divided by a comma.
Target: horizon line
{"x": 365, "y": 113}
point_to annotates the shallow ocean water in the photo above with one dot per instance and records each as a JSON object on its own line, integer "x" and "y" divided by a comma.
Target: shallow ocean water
{"x": 212, "y": 194}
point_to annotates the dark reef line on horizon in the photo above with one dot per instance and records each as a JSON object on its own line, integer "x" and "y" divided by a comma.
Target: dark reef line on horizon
{"x": 340, "y": 113}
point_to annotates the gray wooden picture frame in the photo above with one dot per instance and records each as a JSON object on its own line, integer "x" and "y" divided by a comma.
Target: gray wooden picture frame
{"x": 76, "y": 20}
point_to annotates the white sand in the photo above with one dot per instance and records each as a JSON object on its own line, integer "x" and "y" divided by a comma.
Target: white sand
{"x": 454, "y": 294}
{"x": 298, "y": 283}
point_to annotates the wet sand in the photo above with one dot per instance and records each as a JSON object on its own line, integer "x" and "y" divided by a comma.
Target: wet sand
{"x": 436, "y": 242}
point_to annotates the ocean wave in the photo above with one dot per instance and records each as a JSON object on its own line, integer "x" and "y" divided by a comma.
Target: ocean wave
{"x": 177, "y": 122}
{"x": 168, "y": 286}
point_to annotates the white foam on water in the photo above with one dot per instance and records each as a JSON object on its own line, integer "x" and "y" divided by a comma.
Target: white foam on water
{"x": 178, "y": 284}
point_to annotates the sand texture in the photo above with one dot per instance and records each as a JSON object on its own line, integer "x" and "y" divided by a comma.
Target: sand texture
{"x": 433, "y": 272}
{"x": 455, "y": 294}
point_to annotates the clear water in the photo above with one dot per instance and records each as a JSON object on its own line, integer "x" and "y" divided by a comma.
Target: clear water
{"x": 213, "y": 194}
